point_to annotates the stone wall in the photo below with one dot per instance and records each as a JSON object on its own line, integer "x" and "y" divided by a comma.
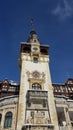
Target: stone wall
{"x": 8, "y": 104}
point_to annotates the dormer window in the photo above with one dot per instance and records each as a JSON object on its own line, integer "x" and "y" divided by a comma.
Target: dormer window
{"x": 5, "y": 85}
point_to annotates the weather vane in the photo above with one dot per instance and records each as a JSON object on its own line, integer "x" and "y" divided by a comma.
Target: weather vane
{"x": 32, "y": 22}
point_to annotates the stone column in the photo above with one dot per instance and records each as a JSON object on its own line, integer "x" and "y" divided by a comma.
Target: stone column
{"x": 3, "y": 119}
{"x": 67, "y": 119}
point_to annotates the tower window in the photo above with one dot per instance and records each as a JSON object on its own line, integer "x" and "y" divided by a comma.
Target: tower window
{"x": 8, "y": 120}
{"x": 34, "y": 40}
{"x": 35, "y": 60}
{"x": 32, "y": 114}
{"x": 27, "y": 50}
{"x": 0, "y": 118}
{"x": 36, "y": 86}
{"x": 44, "y": 103}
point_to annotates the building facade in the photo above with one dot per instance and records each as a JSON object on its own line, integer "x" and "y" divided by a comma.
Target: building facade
{"x": 35, "y": 103}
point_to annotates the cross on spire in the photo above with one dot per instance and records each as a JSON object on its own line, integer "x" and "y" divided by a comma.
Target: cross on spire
{"x": 32, "y": 23}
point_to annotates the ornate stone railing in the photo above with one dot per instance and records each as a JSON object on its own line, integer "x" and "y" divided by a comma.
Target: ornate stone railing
{"x": 38, "y": 98}
{"x": 38, "y": 126}
{"x": 39, "y": 93}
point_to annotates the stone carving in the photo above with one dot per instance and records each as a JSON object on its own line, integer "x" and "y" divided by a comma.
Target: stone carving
{"x": 36, "y": 74}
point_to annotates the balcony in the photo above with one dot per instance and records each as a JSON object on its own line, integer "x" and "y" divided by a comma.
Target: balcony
{"x": 37, "y": 99}
{"x": 37, "y": 93}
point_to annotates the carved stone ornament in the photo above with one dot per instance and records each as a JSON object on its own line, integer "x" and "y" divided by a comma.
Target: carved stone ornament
{"x": 36, "y": 74}
{"x": 28, "y": 73}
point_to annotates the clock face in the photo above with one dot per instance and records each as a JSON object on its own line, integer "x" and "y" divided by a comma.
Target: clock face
{"x": 35, "y": 48}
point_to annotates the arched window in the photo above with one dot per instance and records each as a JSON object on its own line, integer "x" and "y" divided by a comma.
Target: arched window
{"x": 0, "y": 118}
{"x": 36, "y": 86}
{"x": 8, "y": 120}
{"x": 35, "y": 60}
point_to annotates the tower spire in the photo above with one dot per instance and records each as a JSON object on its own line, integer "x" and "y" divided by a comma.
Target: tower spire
{"x": 33, "y": 35}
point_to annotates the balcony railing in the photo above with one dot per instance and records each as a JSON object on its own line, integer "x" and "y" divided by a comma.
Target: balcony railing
{"x": 37, "y": 93}
{"x": 37, "y": 97}
{"x": 38, "y": 126}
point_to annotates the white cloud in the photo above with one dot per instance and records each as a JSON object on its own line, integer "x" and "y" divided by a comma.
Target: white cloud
{"x": 64, "y": 9}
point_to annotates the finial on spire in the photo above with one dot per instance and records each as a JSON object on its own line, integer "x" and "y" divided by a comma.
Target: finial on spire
{"x": 32, "y": 22}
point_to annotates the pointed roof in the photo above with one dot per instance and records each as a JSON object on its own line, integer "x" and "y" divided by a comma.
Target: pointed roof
{"x": 33, "y": 38}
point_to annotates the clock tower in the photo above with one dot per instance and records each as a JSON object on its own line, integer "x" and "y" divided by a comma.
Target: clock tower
{"x": 36, "y": 107}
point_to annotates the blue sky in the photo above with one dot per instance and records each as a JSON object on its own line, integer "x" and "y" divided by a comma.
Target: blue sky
{"x": 53, "y": 22}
